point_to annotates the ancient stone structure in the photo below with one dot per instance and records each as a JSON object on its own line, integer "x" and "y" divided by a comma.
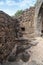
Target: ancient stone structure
{"x": 7, "y": 35}
{"x": 39, "y": 18}
{"x": 27, "y": 22}
{"x": 15, "y": 33}
{"x": 12, "y": 43}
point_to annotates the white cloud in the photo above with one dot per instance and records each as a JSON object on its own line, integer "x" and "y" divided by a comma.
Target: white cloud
{"x": 23, "y": 3}
{"x": 26, "y": 2}
{"x": 10, "y": 12}
{"x": 10, "y": 2}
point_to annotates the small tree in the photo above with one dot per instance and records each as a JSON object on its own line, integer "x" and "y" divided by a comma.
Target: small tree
{"x": 18, "y": 13}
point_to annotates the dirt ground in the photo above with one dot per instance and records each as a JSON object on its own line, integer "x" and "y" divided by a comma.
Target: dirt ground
{"x": 37, "y": 51}
{"x": 36, "y": 55}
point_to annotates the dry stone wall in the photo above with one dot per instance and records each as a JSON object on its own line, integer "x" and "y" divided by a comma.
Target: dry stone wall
{"x": 12, "y": 42}
{"x": 9, "y": 31}
{"x": 27, "y": 22}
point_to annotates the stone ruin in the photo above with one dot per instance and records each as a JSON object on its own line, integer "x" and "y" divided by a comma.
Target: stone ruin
{"x": 12, "y": 44}
{"x": 13, "y": 32}
{"x": 27, "y": 22}
{"x": 31, "y": 20}
{"x": 38, "y": 19}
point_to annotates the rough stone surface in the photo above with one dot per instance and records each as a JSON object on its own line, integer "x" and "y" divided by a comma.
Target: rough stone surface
{"x": 9, "y": 32}
{"x": 27, "y": 22}
{"x": 7, "y": 35}
{"x": 38, "y": 17}
{"x": 10, "y": 37}
{"x": 13, "y": 32}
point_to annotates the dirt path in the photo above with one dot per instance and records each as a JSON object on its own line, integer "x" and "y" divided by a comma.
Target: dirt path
{"x": 37, "y": 51}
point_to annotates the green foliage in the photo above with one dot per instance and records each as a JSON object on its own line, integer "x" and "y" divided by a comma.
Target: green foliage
{"x": 18, "y": 13}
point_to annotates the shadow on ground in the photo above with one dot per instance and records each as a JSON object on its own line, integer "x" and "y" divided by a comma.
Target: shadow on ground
{"x": 21, "y": 63}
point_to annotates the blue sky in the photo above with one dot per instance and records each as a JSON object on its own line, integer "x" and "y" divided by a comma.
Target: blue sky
{"x": 11, "y": 6}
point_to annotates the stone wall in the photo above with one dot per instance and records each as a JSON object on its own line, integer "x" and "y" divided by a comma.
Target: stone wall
{"x": 37, "y": 20}
{"x": 12, "y": 42}
{"x": 9, "y": 32}
{"x": 27, "y": 22}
